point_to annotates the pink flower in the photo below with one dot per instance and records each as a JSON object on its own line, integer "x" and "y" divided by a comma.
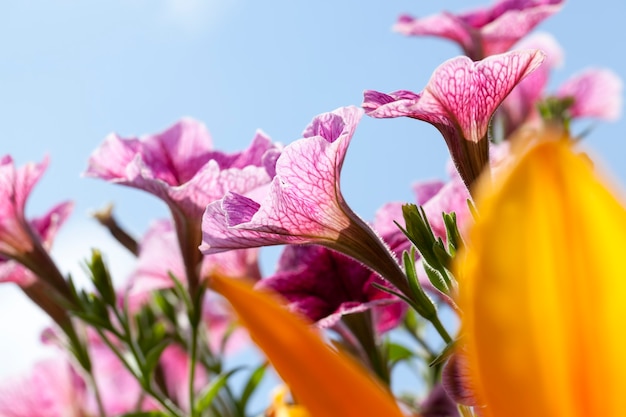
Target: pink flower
{"x": 520, "y": 106}
{"x": 180, "y": 167}
{"x": 159, "y": 255}
{"x": 304, "y": 203}
{"x": 27, "y": 243}
{"x": 596, "y": 93}
{"x": 324, "y": 285}
{"x": 16, "y": 237}
{"x": 53, "y": 389}
{"x": 483, "y": 32}
{"x": 459, "y": 100}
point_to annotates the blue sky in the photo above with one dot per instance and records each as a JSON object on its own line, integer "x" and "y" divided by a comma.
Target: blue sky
{"x": 71, "y": 72}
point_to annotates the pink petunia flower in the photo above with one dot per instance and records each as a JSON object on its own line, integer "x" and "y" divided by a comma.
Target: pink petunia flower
{"x": 53, "y": 389}
{"x": 595, "y": 92}
{"x": 459, "y": 100}
{"x": 24, "y": 245}
{"x": 520, "y": 106}
{"x": 159, "y": 255}
{"x": 483, "y": 32}
{"x": 180, "y": 167}
{"x": 304, "y": 203}
{"x": 45, "y": 228}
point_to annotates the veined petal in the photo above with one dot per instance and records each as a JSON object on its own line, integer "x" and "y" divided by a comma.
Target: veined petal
{"x": 326, "y": 382}
{"x": 543, "y": 289}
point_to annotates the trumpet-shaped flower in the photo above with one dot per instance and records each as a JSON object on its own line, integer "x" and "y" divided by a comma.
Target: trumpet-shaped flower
{"x": 459, "y": 100}
{"x": 180, "y": 167}
{"x": 28, "y": 242}
{"x": 483, "y": 32}
{"x": 324, "y": 285}
{"x": 45, "y": 228}
{"x": 159, "y": 256}
{"x": 304, "y": 203}
{"x": 543, "y": 289}
{"x": 326, "y": 382}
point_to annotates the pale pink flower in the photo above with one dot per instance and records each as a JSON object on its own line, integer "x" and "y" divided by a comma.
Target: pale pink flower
{"x": 180, "y": 166}
{"x": 53, "y": 389}
{"x": 596, "y": 93}
{"x": 304, "y": 203}
{"x": 460, "y": 100}
{"x": 159, "y": 255}
{"x": 45, "y": 228}
{"x": 486, "y": 31}
{"x": 16, "y": 237}
{"x": 27, "y": 243}
{"x": 520, "y": 106}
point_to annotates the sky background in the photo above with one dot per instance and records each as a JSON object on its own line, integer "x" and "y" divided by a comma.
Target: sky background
{"x": 73, "y": 71}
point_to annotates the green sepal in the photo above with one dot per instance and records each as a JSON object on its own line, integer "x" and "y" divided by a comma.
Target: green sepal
{"x": 422, "y": 302}
{"x": 101, "y": 278}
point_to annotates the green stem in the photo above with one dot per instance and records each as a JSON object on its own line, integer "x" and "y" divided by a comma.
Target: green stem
{"x": 161, "y": 399}
{"x": 440, "y": 329}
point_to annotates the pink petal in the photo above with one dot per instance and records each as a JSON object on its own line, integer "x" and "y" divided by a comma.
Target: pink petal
{"x": 179, "y": 166}
{"x": 53, "y": 389}
{"x": 15, "y": 187}
{"x": 467, "y": 93}
{"x": 303, "y": 204}
{"x": 159, "y": 255}
{"x": 596, "y": 93}
{"x": 485, "y": 31}
{"x": 520, "y": 105}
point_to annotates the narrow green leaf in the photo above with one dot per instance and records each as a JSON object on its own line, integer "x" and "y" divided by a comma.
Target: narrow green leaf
{"x": 205, "y": 398}
{"x": 255, "y": 378}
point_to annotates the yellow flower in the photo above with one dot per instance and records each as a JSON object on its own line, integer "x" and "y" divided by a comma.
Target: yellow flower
{"x": 543, "y": 290}
{"x": 326, "y": 382}
{"x": 281, "y": 408}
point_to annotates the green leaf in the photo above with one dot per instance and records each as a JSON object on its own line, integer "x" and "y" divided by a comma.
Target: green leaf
{"x": 152, "y": 357}
{"x": 205, "y": 398}
{"x": 445, "y": 354}
{"x": 255, "y": 378}
{"x": 397, "y": 353}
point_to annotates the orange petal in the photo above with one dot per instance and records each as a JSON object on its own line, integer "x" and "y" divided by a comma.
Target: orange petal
{"x": 326, "y": 382}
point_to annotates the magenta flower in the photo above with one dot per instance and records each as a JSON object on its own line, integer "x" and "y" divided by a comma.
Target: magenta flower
{"x": 53, "y": 389}
{"x": 304, "y": 203}
{"x": 324, "y": 285}
{"x": 180, "y": 167}
{"x": 595, "y": 93}
{"x": 483, "y": 32}
{"x": 459, "y": 100}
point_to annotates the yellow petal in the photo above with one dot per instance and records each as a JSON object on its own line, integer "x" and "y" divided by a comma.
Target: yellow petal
{"x": 326, "y": 382}
{"x": 543, "y": 290}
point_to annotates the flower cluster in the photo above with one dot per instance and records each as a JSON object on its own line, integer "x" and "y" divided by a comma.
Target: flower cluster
{"x": 520, "y": 245}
